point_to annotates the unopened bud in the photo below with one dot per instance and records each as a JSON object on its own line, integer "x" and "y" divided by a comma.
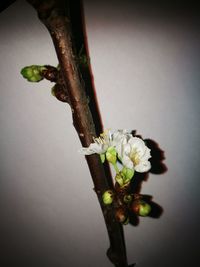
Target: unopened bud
{"x": 127, "y": 198}
{"x": 127, "y": 174}
{"x": 141, "y": 208}
{"x": 59, "y": 92}
{"x": 121, "y": 216}
{"x": 108, "y": 197}
{"x": 33, "y": 73}
{"x": 111, "y": 155}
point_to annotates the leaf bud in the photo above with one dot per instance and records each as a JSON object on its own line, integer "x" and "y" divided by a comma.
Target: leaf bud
{"x": 33, "y": 73}
{"x": 59, "y": 92}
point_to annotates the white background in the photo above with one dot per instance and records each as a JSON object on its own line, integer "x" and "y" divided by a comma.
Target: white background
{"x": 145, "y": 63}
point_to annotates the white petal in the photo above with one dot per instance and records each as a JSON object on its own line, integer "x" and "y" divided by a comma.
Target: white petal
{"x": 136, "y": 141}
{"x": 139, "y": 145}
{"x": 127, "y": 162}
{"x": 122, "y": 148}
{"x": 85, "y": 151}
{"x": 93, "y": 148}
{"x": 126, "y": 149}
{"x": 147, "y": 154}
{"x": 143, "y": 166}
{"x": 118, "y": 148}
{"x": 116, "y": 138}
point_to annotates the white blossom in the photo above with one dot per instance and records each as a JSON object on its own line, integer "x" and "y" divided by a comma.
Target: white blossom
{"x": 131, "y": 151}
{"x": 134, "y": 154}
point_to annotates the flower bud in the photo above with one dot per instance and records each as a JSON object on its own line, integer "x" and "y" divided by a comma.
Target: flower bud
{"x": 141, "y": 208}
{"x": 33, "y": 73}
{"x": 108, "y": 197}
{"x": 127, "y": 174}
{"x": 111, "y": 155}
{"x": 127, "y": 199}
{"x": 145, "y": 209}
{"x": 121, "y": 215}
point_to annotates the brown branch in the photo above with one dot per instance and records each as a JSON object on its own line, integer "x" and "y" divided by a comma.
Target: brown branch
{"x": 56, "y": 17}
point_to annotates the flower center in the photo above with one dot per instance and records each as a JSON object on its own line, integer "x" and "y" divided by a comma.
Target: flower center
{"x": 134, "y": 156}
{"x": 103, "y": 139}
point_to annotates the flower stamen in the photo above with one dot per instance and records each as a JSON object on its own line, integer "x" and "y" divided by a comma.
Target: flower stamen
{"x": 102, "y": 139}
{"x": 134, "y": 156}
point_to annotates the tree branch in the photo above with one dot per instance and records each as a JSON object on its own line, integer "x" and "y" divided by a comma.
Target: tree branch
{"x": 55, "y": 15}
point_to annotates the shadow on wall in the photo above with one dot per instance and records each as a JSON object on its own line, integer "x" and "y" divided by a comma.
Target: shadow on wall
{"x": 157, "y": 167}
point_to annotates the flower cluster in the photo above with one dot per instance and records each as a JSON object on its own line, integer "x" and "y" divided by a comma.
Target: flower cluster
{"x": 121, "y": 147}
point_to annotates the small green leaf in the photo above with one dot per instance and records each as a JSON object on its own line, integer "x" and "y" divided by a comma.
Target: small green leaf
{"x": 119, "y": 179}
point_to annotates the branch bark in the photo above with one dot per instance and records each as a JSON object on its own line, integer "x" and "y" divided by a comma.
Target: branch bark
{"x": 55, "y": 15}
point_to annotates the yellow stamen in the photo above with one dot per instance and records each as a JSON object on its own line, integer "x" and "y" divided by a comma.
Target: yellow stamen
{"x": 134, "y": 157}
{"x": 102, "y": 139}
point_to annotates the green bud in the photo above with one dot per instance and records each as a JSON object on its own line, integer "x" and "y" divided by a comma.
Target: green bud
{"x": 141, "y": 208}
{"x": 127, "y": 174}
{"x": 144, "y": 209}
{"x": 111, "y": 155}
{"x": 127, "y": 198}
{"x": 108, "y": 197}
{"x": 33, "y": 73}
{"x": 124, "y": 176}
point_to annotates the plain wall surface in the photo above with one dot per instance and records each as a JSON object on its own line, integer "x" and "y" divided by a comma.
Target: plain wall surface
{"x": 145, "y": 62}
